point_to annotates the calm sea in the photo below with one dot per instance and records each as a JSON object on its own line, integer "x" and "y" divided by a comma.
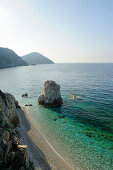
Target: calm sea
{"x": 84, "y": 137}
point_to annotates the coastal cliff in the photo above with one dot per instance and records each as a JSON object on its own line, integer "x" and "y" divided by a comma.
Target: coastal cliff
{"x": 13, "y": 155}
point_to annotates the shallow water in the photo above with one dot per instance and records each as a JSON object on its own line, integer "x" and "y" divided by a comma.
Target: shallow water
{"x": 85, "y": 136}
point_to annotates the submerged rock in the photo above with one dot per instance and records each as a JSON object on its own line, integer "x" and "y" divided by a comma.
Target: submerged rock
{"x": 28, "y": 105}
{"x": 73, "y": 96}
{"x": 61, "y": 116}
{"x": 64, "y": 121}
{"x": 88, "y": 133}
{"x": 50, "y": 96}
{"x": 55, "y": 119}
{"x": 23, "y": 149}
{"x": 25, "y": 95}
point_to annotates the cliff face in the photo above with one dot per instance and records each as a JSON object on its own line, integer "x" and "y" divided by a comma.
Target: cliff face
{"x": 8, "y": 104}
{"x": 9, "y": 58}
{"x": 13, "y": 155}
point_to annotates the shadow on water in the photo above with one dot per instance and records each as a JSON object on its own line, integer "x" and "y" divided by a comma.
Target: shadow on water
{"x": 38, "y": 157}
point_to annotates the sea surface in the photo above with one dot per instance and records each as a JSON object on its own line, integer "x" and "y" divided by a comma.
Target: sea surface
{"x": 84, "y": 137}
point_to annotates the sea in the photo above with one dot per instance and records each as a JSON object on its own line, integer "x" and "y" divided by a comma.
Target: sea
{"x": 84, "y": 136}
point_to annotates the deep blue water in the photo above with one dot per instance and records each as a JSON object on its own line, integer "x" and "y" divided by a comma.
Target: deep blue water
{"x": 85, "y": 136}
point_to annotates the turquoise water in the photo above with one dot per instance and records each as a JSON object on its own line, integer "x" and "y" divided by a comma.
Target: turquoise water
{"x": 84, "y": 138}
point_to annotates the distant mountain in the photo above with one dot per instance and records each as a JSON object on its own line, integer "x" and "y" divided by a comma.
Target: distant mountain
{"x": 9, "y": 58}
{"x": 36, "y": 58}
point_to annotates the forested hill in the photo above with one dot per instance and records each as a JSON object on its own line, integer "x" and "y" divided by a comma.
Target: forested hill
{"x": 36, "y": 58}
{"x": 8, "y": 58}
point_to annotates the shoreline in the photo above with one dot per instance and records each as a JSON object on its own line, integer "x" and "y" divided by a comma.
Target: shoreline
{"x": 43, "y": 155}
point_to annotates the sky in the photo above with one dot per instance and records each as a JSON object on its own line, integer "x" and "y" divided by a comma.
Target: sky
{"x": 66, "y": 31}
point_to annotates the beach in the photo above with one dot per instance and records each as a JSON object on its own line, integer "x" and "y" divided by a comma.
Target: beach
{"x": 41, "y": 152}
{"x": 83, "y": 137}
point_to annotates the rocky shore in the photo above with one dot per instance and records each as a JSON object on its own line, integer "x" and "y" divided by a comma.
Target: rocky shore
{"x": 22, "y": 146}
{"x": 13, "y": 155}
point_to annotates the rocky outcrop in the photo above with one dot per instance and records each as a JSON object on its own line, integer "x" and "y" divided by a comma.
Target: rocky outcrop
{"x": 50, "y": 96}
{"x": 23, "y": 149}
{"x": 9, "y": 105}
{"x": 13, "y": 155}
{"x": 25, "y": 95}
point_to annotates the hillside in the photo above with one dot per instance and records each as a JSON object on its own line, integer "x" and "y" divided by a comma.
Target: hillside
{"x": 36, "y": 58}
{"x": 9, "y": 58}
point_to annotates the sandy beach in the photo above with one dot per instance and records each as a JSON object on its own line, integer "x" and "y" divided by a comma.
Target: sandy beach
{"x": 41, "y": 152}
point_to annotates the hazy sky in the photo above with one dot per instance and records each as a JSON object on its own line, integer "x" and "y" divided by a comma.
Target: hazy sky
{"x": 63, "y": 30}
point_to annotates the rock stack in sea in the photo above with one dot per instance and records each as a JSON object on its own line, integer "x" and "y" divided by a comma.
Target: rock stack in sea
{"x": 13, "y": 155}
{"x": 50, "y": 96}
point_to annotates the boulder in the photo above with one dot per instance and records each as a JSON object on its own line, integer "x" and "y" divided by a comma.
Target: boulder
{"x": 50, "y": 96}
{"x": 55, "y": 119}
{"x": 73, "y": 96}
{"x": 15, "y": 141}
{"x": 8, "y": 105}
{"x": 23, "y": 149}
{"x": 61, "y": 116}
{"x": 17, "y": 105}
{"x": 28, "y": 105}
{"x": 25, "y": 95}
{"x": 5, "y": 135}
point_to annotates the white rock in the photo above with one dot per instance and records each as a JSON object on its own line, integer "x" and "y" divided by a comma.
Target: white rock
{"x": 50, "y": 94}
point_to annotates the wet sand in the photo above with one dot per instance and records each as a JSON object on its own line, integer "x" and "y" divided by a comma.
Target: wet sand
{"x": 41, "y": 152}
